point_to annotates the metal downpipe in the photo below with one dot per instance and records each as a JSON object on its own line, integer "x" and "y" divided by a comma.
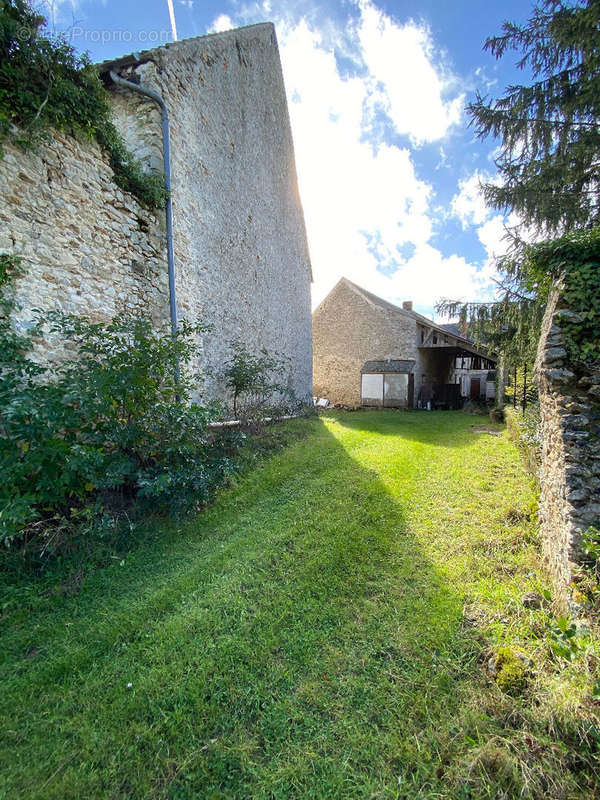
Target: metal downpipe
{"x": 134, "y": 87}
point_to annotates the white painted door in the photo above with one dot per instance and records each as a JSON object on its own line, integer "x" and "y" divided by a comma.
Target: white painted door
{"x": 372, "y": 390}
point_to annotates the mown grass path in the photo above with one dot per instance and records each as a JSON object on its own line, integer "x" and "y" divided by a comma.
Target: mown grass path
{"x": 306, "y": 637}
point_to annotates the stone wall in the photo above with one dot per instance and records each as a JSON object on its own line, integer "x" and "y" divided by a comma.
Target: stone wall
{"x": 570, "y": 469}
{"x": 349, "y": 330}
{"x": 241, "y": 255}
{"x": 86, "y": 247}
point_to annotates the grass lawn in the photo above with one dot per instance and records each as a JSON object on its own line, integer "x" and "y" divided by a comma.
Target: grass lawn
{"x": 323, "y": 631}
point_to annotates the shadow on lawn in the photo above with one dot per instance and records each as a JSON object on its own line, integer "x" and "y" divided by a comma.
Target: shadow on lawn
{"x": 441, "y": 428}
{"x": 291, "y": 641}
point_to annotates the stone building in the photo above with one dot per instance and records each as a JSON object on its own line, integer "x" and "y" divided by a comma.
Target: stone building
{"x": 367, "y": 351}
{"x": 241, "y": 254}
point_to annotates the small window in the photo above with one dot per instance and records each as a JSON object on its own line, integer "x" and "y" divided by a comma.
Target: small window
{"x": 422, "y": 335}
{"x": 435, "y": 339}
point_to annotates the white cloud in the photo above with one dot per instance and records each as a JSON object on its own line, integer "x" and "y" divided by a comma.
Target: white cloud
{"x": 491, "y": 227}
{"x": 222, "y": 23}
{"x": 468, "y": 204}
{"x": 492, "y": 235}
{"x": 363, "y": 200}
{"x": 400, "y": 60}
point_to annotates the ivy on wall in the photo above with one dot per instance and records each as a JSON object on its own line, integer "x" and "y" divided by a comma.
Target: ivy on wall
{"x": 45, "y": 85}
{"x": 574, "y": 259}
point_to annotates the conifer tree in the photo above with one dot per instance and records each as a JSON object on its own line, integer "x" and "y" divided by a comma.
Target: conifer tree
{"x": 550, "y": 128}
{"x": 548, "y": 164}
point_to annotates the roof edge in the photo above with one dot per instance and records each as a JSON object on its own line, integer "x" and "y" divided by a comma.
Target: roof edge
{"x": 142, "y": 56}
{"x": 364, "y": 293}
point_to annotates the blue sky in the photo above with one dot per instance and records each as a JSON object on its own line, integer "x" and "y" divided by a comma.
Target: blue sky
{"x": 387, "y": 165}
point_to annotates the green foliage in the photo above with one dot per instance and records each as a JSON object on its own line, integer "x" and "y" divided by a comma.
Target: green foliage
{"x": 524, "y": 430}
{"x": 548, "y": 165}
{"x": 566, "y": 639}
{"x": 590, "y": 545}
{"x": 520, "y": 386}
{"x": 550, "y": 130}
{"x": 509, "y": 326}
{"x": 512, "y": 668}
{"x": 112, "y": 419}
{"x": 573, "y": 260}
{"x": 512, "y": 325}
{"x": 14, "y": 345}
{"x": 149, "y": 188}
{"x": 256, "y": 380}
{"x": 45, "y": 85}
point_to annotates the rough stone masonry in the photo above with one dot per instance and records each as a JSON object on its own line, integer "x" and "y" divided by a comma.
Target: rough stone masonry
{"x": 570, "y": 469}
{"x": 241, "y": 254}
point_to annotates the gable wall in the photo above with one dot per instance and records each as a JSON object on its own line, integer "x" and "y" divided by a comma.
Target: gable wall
{"x": 347, "y": 331}
{"x": 241, "y": 254}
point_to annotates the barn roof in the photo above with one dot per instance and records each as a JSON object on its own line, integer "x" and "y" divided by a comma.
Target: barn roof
{"x": 463, "y": 345}
{"x": 379, "y": 301}
{"x": 389, "y": 365}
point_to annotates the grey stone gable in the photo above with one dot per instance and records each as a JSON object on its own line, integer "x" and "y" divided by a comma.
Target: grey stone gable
{"x": 142, "y": 56}
{"x": 386, "y": 305}
{"x": 377, "y": 301}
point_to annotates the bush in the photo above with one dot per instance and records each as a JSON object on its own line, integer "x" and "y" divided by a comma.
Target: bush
{"x": 110, "y": 422}
{"x": 497, "y": 414}
{"x": 257, "y": 382}
{"x": 524, "y": 430}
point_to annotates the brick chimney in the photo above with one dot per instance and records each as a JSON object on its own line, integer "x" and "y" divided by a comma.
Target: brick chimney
{"x": 407, "y": 305}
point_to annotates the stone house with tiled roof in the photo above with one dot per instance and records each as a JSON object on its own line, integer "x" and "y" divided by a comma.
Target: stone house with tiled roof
{"x": 367, "y": 351}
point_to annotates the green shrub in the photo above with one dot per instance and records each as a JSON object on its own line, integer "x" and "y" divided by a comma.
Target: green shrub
{"x": 257, "y": 383}
{"x": 112, "y": 419}
{"x": 524, "y": 430}
{"x": 574, "y": 259}
{"x": 45, "y": 85}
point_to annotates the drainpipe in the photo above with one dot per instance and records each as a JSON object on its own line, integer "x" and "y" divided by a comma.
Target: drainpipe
{"x": 168, "y": 206}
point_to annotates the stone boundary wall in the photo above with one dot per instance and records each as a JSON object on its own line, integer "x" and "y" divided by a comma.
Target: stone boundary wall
{"x": 569, "y": 431}
{"x": 86, "y": 247}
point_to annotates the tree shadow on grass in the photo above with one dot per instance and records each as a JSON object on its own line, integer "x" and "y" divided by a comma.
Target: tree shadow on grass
{"x": 441, "y": 428}
{"x": 291, "y": 641}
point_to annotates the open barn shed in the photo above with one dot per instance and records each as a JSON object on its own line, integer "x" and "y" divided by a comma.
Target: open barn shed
{"x": 368, "y": 351}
